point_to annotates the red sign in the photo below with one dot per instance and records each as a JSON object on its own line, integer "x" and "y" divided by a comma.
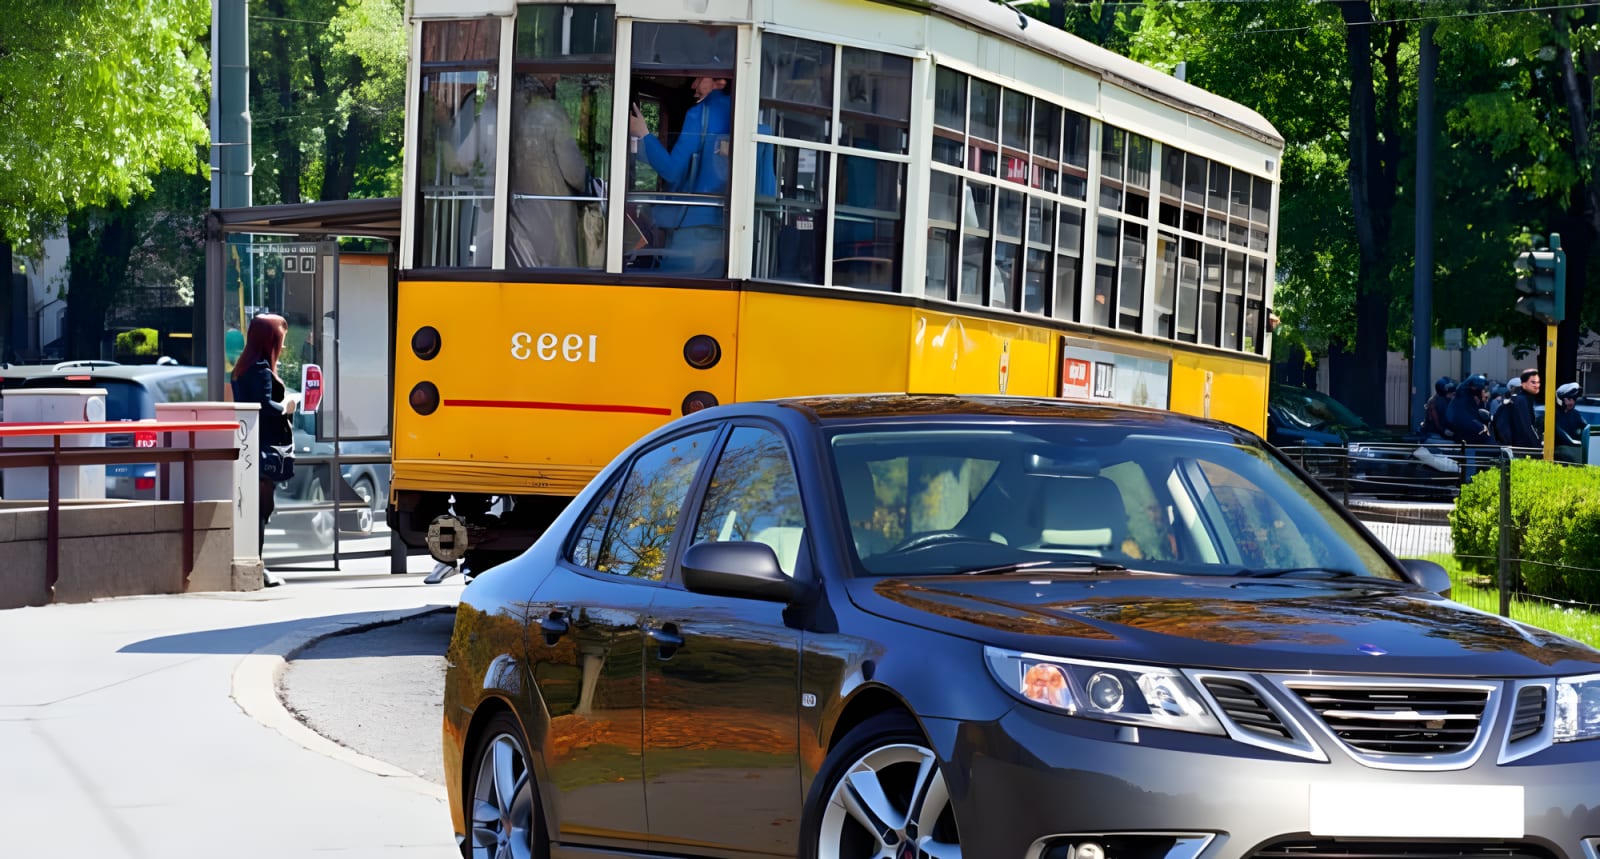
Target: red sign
{"x": 310, "y": 388}
{"x": 1075, "y": 378}
{"x": 144, "y": 439}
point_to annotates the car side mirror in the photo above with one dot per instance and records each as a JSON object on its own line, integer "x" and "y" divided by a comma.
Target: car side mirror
{"x": 737, "y": 569}
{"x": 1427, "y": 575}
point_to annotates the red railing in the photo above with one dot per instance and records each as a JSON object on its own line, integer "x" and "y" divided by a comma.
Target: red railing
{"x": 56, "y": 456}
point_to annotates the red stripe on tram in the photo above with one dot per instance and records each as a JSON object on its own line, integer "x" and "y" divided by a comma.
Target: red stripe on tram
{"x": 560, "y": 407}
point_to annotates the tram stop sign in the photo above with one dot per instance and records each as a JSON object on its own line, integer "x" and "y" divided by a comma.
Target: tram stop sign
{"x": 310, "y": 388}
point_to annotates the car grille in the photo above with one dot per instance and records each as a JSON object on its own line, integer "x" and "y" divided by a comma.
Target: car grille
{"x": 1399, "y": 720}
{"x": 1397, "y": 850}
{"x": 1245, "y": 706}
{"x": 1528, "y": 719}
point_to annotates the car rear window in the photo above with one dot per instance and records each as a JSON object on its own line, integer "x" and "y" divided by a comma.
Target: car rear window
{"x": 125, "y": 400}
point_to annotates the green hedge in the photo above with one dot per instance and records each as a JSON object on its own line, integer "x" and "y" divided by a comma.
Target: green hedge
{"x": 1555, "y": 533}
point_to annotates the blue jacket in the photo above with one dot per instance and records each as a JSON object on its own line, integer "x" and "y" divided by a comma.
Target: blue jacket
{"x": 714, "y": 114}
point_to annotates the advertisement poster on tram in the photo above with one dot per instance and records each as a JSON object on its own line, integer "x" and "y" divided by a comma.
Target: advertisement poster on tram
{"x": 1092, "y": 373}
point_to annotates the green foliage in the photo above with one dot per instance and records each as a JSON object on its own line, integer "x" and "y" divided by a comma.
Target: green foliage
{"x": 328, "y": 98}
{"x": 1555, "y": 528}
{"x": 138, "y": 342}
{"x": 99, "y": 96}
{"x": 1470, "y": 589}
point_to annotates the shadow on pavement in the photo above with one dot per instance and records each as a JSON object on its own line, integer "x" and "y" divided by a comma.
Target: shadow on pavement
{"x": 250, "y": 639}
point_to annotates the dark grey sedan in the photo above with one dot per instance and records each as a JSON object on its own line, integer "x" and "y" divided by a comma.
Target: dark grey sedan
{"x": 903, "y": 626}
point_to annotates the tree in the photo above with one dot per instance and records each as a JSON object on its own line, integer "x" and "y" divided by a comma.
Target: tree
{"x": 327, "y": 98}
{"x": 98, "y": 96}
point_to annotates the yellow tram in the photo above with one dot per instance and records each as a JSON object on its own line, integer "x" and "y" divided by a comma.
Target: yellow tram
{"x": 619, "y": 212}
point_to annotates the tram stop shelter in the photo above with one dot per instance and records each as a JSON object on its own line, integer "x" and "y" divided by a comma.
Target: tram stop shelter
{"x": 329, "y": 269}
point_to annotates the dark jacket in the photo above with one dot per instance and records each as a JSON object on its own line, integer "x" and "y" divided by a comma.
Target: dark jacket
{"x": 1464, "y": 420}
{"x": 1569, "y": 427}
{"x": 1515, "y": 422}
{"x": 1433, "y": 416}
{"x": 258, "y": 385}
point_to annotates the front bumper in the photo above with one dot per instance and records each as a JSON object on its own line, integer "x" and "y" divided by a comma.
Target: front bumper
{"x": 1036, "y": 784}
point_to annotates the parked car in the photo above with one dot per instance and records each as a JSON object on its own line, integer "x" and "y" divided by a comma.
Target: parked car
{"x": 1344, "y": 451}
{"x": 132, "y": 392}
{"x": 303, "y": 509}
{"x": 932, "y": 626}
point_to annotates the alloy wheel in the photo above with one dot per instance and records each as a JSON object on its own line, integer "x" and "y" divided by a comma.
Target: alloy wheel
{"x": 892, "y": 803}
{"x": 502, "y": 808}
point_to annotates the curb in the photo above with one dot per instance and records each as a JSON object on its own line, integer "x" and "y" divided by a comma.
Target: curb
{"x": 255, "y": 690}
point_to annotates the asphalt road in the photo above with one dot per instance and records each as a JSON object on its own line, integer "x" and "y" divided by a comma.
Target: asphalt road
{"x": 378, "y": 691}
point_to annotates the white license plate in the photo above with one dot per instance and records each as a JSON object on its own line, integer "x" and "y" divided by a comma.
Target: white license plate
{"x": 1416, "y": 811}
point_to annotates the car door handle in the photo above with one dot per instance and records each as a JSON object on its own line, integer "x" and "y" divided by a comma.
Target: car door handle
{"x": 554, "y": 625}
{"x": 667, "y": 639}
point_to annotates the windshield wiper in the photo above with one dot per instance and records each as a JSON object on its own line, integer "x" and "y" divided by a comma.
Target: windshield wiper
{"x": 1329, "y": 573}
{"x": 1072, "y": 565}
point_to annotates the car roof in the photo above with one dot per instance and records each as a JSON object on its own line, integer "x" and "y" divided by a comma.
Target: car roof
{"x": 127, "y": 372}
{"x": 867, "y": 407}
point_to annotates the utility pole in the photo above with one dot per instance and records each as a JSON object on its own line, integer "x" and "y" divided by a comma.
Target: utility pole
{"x": 231, "y": 169}
{"x": 1422, "y": 278}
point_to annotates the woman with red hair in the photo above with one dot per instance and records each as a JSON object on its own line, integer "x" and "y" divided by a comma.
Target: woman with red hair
{"x": 256, "y": 380}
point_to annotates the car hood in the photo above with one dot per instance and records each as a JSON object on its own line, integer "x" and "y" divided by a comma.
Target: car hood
{"x": 1226, "y": 623}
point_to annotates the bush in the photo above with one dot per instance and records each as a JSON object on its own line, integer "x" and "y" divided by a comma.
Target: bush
{"x": 1555, "y": 528}
{"x": 138, "y": 342}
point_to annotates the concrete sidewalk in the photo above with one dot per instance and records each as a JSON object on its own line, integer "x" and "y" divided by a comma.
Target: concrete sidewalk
{"x": 150, "y": 727}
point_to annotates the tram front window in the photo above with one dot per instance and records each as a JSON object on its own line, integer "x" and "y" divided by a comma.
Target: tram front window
{"x": 560, "y": 136}
{"x": 456, "y": 143}
{"x": 680, "y": 148}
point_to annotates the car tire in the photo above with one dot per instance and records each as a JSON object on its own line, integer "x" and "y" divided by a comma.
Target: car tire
{"x": 502, "y": 800}
{"x": 368, "y": 490}
{"x": 881, "y": 776}
{"x": 319, "y": 527}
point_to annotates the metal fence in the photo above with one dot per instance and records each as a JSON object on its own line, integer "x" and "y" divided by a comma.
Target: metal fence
{"x": 1492, "y": 581}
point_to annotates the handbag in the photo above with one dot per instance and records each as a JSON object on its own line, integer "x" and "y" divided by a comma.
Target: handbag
{"x": 277, "y": 462}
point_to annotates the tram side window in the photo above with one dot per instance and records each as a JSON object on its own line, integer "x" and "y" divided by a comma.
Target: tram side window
{"x": 681, "y": 145}
{"x": 869, "y": 211}
{"x": 792, "y": 201}
{"x": 560, "y": 136}
{"x": 456, "y": 143}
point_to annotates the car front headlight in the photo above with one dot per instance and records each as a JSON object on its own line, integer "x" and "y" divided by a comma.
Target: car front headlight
{"x": 1126, "y": 694}
{"x": 1577, "y": 708}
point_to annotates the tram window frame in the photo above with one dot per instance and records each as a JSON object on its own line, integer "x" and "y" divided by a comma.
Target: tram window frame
{"x": 475, "y": 54}
{"x": 666, "y": 80}
{"x": 555, "y": 207}
{"x": 869, "y": 104}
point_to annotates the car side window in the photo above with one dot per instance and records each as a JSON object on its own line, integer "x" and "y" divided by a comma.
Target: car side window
{"x": 628, "y": 532}
{"x": 754, "y": 495}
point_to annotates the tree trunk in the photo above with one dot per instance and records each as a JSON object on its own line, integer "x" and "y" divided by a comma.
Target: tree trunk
{"x": 10, "y": 326}
{"x": 288, "y": 143}
{"x": 1359, "y": 377}
{"x": 99, "y": 242}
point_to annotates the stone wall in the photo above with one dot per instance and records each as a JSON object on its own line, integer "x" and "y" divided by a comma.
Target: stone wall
{"x": 117, "y": 548}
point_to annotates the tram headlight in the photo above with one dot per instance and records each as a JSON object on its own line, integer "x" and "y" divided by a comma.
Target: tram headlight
{"x": 425, "y": 344}
{"x": 424, "y": 398}
{"x": 697, "y": 401}
{"x": 702, "y": 351}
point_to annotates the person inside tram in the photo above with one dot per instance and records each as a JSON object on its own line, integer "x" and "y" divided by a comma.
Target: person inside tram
{"x": 693, "y": 237}
{"x": 547, "y": 231}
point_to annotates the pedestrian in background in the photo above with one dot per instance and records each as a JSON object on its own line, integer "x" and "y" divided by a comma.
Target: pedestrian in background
{"x": 1514, "y": 421}
{"x": 1569, "y": 424}
{"x": 256, "y": 380}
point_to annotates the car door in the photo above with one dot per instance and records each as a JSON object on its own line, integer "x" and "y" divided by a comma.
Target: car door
{"x": 586, "y": 644}
{"x": 721, "y": 674}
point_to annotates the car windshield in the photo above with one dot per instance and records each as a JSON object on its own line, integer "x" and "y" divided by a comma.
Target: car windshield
{"x": 957, "y": 498}
{"x": 1313, "y": 409}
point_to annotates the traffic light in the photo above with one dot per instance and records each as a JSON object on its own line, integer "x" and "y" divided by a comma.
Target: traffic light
{"x": 1542, "y": 283}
